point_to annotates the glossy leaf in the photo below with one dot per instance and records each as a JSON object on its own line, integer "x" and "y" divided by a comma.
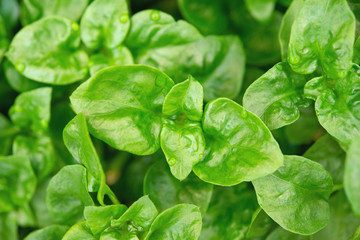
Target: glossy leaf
{"x": 40, "y": 151}
{"x": 17, "y": 81}
{"x": 296, "y": 196}
{"x": 32, "y": 10}
{"x": 323, "y": 35}
{"x": 351, "y": 175}
{"x": 181, "y": 138}
{"x": 106, "y": 58}
{"x": 239, "y": 146}
{"x": 261, "y": 9}
{"x": 286, "y": 26}
{"x": 122, "y": 105}
{"x": 154, "y": 40}
{"x": 17, "y": 182}
{"x": 32, "y": 109}
{"x": 330, "y": 155}
{"x": 229, "y": 214}
{"x": 336, "y": 105}
{"x": 105, "y": 30}
{"x": 281, "y": 234}
{"x": 79, "y": 231}
{"x": 66, "y": 203}
{"x": 54, "y": 232}
{"x": 260, "y": 225}
{"x": 180, "y": 222}
{"x": 138, "y": 216}
{"x": 58, "y": 59}
{"x": 276, "y": 96}
{"x": 166, "y": 191}
{"x": 99, "y": 218}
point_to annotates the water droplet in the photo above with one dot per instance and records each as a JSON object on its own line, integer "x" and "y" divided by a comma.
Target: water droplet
{"x": 155, "y": 15}
{"x": 20, "y": 67}
{"x": 43, "y": 123}
{"x": 75, "y": 26}
{"x": 124, "y": 17}
{"x": 279, "y": 67}
{"x": 201, "y": 156}
{"x": 160, "y": 81}
{"x": 342, "y": 74}
{"x": 172, "y": 162}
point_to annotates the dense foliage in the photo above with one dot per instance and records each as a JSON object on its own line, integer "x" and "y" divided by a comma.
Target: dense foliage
{"x": 179, "y": 119}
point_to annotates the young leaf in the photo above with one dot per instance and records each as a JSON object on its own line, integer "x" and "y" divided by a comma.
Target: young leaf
{"x": 67, "y": 195}
{"x": 296, "y": 196}
{"x": 139, "y": 215}
{"x": 105, "y": 30}
{"x": 40, "y": 152}
{"x": 32, "y": 109}
{"x": 352, "y": 174}
{"x": 154, "y": 40}
{"x": 53, "y": 232}
{"x": 32, "y": 10}
{"x": 229, "y": 214}
{"x": 166, "y": 191}
{"x": 8, "y": 226}
{"x": 337, "y": 105}
{"x": 58, "y": 59}
{"x": 182, "y": 221}
{"x": 122, "y": 105}
{"x": 323, "y": 35}
{"x": 239, "y": 145}
{"x": 17, "y": 182}
{"x": 99, "y": 218}
{"x": 277, "y": 96}
{"x": 182, "y": 139}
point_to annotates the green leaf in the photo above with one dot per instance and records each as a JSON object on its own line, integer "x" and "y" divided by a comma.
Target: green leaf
{"x": 8, "y": 226}
{"x": 116, "y": 56}
{"x": 122, "y": 105}
{"x": 239, "y": 146}
{"x": 286, "y": 26}
{"x": 58, "y": 59}
{"x": 9, "y": 10}
{"x": 217, "y": 62}
{"x": 180, "y": 222}
{"x": 166, "y": 191}
{"x": 17, "y": 182}
{"x": 38, "y": 205}
{"x": 337, "y": 105}
{"x": 99, "y": 218}
{"x": 296, "y": 196}
{"x": 79, "y": 231}
{"x": 229, "y": 214}
{"x": 182, "y": 139}
{"x": 67, "y": 195}
{"x": 40, "y": 152}
{"x": 261, "y": 10}
{"x": 138, "y": 216}
{"x": 343, "y": 222}
{"x": 17, "y": 81}
{"x": 323, "y": 35}
{"x": 32, "y": 109}
{"x": 352, "y": 174}
{"x": 276, "y": 96}
{"x": 330, "y": 155}
{"x": 281, "y": 234}
{"x": 54, "y": 232}
{"x": 214, "y": 20}
{"x": 32, "y": 10}
{"x": 7, "y": 131}
{"x": 105, "y": 30}
{"x": 260, "y": 225}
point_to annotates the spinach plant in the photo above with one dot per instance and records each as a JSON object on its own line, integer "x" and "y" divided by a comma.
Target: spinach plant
{"x": 180, "y": 119}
